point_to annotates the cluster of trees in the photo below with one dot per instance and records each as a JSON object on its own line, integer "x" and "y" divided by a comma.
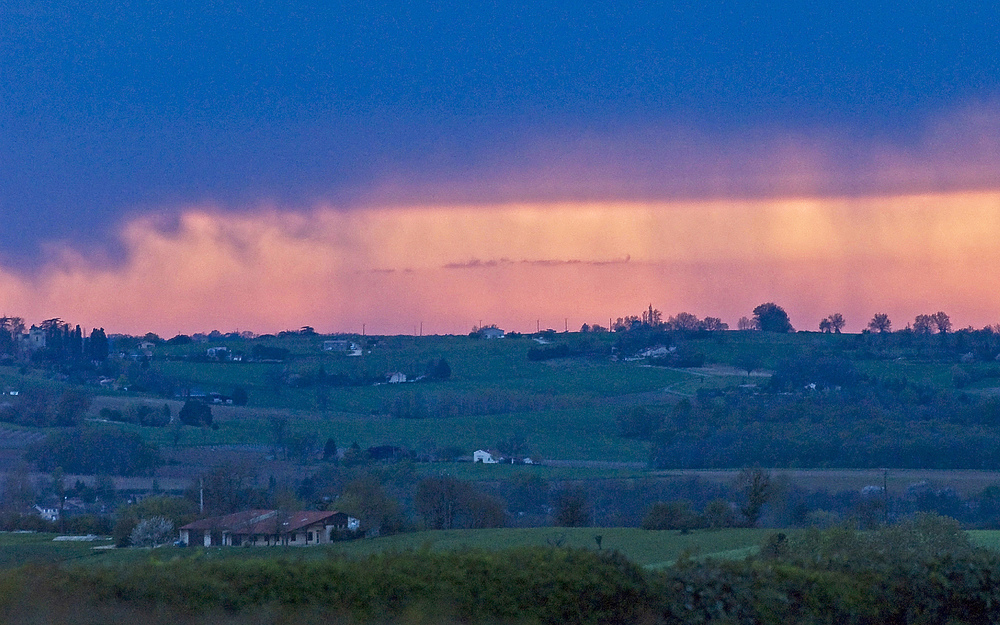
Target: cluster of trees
{"x": 892, "y": 424}
{"x": 937, "y": 323}
{"x": 62, "y": 341}
{"x": 880, "y": 323}
{"x": 767, "y": 317}
{"x": 923, "y": 570}
{"x": 653, "y": 319}
{"x": 964, "y": 345}
{"x": 403, "y": 500}
{"x": 683, "y": 355}
{"x": 40, "y": 407}
{"x": 549, "y": 352}
{"x": 94, "y": 451}
{"x": 139, "y": 414}
{"x": 447, "y": 503}
{"x": 197, "y": 413}
{"x": 575, "y": 347}
{"x": 834, "y": 323}
{"x": 930, "y": 324}
{"x": 11, "y": 333}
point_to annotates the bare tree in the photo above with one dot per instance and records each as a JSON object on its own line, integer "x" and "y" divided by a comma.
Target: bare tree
{"x": 714, "y": 324}
{"x": 746, "y": 323}
{"x": 941, "y": 322}
{"x": 880, "y": 323}
{"x": 924, "y": 324}
{"x": 837, "y": 322}
{"x": 685, "y": 322}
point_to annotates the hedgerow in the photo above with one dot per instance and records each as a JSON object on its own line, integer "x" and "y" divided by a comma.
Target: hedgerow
{"x": 920, "y": 571}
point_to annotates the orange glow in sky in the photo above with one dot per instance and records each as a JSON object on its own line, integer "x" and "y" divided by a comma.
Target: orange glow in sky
{"x": 453, "y": 267}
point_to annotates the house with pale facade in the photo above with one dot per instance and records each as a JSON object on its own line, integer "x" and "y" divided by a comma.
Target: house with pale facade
{"x": 481, "y": 455}
{"x": 491, "y": 332}
{"x": 269, "y": 528}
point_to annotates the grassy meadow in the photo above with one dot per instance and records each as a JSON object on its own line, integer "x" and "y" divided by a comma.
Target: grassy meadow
{"x": 564, "y": 408}
{"x": 650, "y": 549}
{"x": 647, "y": 548}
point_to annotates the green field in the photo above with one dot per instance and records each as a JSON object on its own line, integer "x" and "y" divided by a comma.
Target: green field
{"x": 648, "y": 548}
{"x": 17, "y": 548}
{"x": 652, "y": 549}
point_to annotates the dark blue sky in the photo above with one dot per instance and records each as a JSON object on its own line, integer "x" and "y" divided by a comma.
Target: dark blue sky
{"x": 113, "y": 108}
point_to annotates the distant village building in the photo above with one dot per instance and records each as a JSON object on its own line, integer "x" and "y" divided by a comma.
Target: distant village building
{"x": 491, "y": 333}
{"x": 47, "y": 513}
{"x": 218, "y": 353}
{"x": 219, "y": 398}
{"x": 339, "y": 345}
{"x": 36, "y": 338}
{"x": 396, "y": 378}
{"x": 481, "y": 455}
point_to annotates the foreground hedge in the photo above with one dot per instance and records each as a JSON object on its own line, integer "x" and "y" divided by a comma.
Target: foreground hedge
{"x": 921, "y": 571}
{"x": 536, "y": 585}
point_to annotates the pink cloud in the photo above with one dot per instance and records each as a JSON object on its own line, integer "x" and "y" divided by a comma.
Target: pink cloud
{"x": 388, "y": 268}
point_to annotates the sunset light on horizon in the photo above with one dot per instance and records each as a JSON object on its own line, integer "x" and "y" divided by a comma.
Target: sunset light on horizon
{"x": 171, "y": 169}
{"x": 401, "y": 270}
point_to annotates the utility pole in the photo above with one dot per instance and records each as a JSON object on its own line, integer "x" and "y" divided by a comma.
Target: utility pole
{"x": 566, "y": 326}
{"x": 885, "y": 496}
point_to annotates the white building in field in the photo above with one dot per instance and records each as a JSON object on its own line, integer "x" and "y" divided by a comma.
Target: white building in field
{"x": 491, "y": 333}
{"x": 484, "y": 456}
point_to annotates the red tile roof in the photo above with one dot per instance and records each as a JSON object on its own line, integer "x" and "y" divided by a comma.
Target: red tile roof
{"x": 229, "y": 521}
{"x": 261, "y": 521}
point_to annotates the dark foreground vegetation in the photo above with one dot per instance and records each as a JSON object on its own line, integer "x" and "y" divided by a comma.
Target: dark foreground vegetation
{"x": 922, "y": 570}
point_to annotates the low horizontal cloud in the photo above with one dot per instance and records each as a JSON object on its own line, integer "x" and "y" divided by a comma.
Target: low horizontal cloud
{"x": 487, "y": 264}
{"x": 392, "y": 268}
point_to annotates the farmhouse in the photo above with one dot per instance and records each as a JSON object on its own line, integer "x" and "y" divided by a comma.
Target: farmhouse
{"x": 49, "y": 514}
{"x": 268, "y": 528}
{"x": 485, "y": 457}
{"x": 218, "y": 353}
{"x": 339, "y": 345}
{"x": 491, "y": 333}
